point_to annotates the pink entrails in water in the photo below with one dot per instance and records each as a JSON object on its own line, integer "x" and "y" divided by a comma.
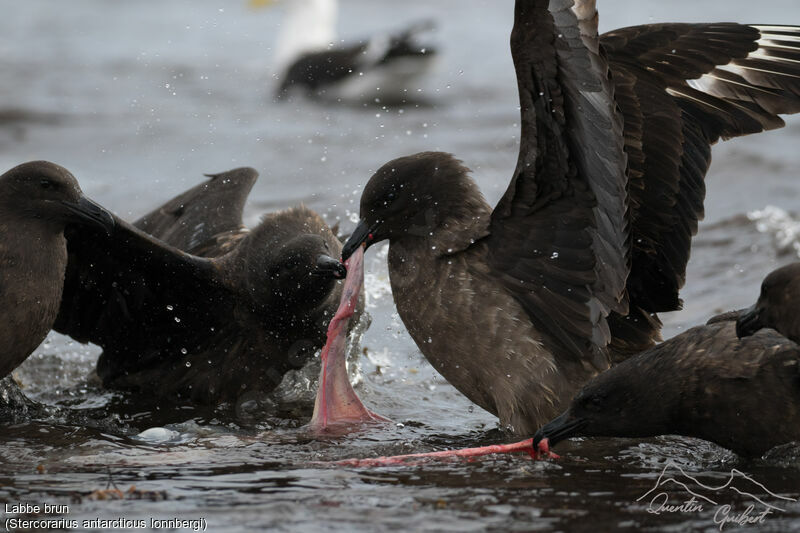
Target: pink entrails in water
{"x": 337, "y": 403}
{"x": 525, "y": 446}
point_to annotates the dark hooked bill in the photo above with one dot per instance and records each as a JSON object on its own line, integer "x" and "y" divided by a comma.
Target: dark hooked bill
{"x": 558, "y": 429}
{"x": 86, "y": 211}
{"x": 327, "y": 266}
{"x": 364, "y": 233}
{"x": 749, "y": 322}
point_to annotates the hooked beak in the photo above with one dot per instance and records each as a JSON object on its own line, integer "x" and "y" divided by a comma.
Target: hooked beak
{"x": 329, "y": 267}
{"x": 749, "y": 321}
{"x": 363, "y": 234}
{"x": 85, "y": 211}
{"x": 558, "y": 429}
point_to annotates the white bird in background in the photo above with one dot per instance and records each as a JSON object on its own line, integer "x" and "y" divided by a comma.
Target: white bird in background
{"x": 381, "y": 69}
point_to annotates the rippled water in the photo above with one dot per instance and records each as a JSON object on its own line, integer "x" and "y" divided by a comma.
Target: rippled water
{"x": 139, "y": 99}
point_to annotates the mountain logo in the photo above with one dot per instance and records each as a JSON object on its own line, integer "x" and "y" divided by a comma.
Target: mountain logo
{"x": 704, "y": 496}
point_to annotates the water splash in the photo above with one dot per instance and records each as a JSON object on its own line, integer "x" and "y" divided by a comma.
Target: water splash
{"x": 781, "y": 225}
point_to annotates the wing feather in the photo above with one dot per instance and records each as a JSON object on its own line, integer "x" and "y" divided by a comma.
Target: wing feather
{"x": 680, "y": 88}
{"x": 206, "y": 216}
{"x": 559, "y": 235}
{"x": 138, "y": 298}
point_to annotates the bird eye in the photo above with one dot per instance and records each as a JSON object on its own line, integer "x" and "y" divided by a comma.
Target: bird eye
{"x": 46, "y": 184}
{"x": 595, "y": 402}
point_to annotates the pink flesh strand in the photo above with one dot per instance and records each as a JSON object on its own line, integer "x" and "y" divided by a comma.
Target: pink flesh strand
{"x": 337, "y": 404}
{"x": 525, "y": 446}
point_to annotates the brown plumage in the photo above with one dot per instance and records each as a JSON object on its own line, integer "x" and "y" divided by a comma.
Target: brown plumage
{"x": 37, "y": 201}
{"x": 776, "y": 307}
{"x": 211, "y": 312}
{"x": 520, "y": 305}
{"x": 705, "y": 383}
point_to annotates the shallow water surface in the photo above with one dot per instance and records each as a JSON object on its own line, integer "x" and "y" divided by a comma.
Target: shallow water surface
{"x": 139, "y": 99}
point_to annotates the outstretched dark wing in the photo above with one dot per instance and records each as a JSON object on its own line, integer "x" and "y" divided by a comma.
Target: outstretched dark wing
{"x": 205, "y": 218}
{"x": 680, "y": 88}
{"x": 137, "y": 297}
{"x": 559, "y": 236}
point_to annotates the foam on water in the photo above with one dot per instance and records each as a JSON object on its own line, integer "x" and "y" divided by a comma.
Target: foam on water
{"x": 158, "y": 435}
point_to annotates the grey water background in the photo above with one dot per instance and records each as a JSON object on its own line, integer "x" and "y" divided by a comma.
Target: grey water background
{"x": 139, "y": 99}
